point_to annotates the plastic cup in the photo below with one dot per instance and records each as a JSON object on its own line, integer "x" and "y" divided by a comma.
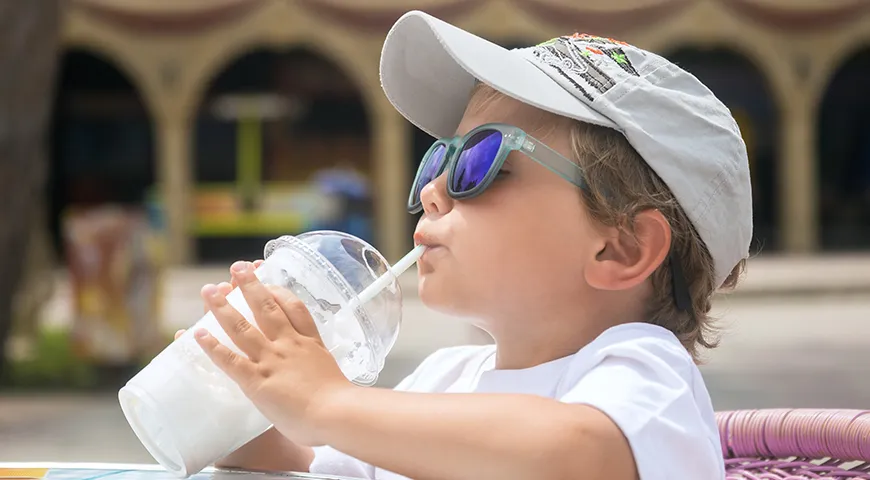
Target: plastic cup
{"x": 188, "y": 413}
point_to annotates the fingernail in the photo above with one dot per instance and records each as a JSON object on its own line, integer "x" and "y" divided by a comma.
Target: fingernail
{"x": 201, "y": 333}
{"x": 241, "y": 267}
{"x": 225, "y": 286}
{"x": 209, "y": 290}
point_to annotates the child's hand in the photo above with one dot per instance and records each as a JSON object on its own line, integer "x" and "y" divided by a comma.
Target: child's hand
{"x": 270, "y": 451}
{"x": 288, "y": 371}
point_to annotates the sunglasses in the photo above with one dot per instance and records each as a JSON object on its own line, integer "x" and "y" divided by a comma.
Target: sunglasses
{"x": 473, "y": 160}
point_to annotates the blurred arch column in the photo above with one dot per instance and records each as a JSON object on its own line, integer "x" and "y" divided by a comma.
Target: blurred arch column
{"x": 799, "y": 189}
{"x": 391, "y": 146}
{"x": 173, "y": 135}
{"x": 174, "y": 112}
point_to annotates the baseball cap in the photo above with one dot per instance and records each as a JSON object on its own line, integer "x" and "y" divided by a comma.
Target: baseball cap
{"x": 684, "y": 133}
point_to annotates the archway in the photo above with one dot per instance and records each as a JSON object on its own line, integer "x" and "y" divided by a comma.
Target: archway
{"x": 744, "y": 90}
{"x": 102, "y": 144}
{"x": 282, "y": 147}
{"x": 843, "y": 165}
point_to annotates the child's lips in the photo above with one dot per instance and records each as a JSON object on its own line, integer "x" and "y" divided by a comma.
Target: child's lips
{"x": 434, "y": 248}
{"x": 428, "y": 241}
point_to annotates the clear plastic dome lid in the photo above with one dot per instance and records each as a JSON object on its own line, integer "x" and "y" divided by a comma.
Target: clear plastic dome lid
{"x": 351, "y": 265}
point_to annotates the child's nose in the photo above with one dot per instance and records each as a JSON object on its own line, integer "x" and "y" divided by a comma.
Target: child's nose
{"x": 434, "y": 197}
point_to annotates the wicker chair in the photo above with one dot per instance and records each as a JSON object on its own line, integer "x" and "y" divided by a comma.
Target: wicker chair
{"x": 795, "y": 444}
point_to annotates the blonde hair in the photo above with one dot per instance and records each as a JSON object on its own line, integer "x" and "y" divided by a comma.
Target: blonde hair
{"x": 612, "y": 165}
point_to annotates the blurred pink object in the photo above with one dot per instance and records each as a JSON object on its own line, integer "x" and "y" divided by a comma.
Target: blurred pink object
{"x": 795, "y": 444}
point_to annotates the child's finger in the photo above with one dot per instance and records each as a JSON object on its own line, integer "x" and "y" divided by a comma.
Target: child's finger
{"x": 236, "y": 366}
{"x": 225, "y": 288}
{"x": 179, "y": 333}
{"x": 233, "y": 283}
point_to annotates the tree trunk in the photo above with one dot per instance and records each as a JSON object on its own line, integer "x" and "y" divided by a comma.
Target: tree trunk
{"x": 29, "y": 47}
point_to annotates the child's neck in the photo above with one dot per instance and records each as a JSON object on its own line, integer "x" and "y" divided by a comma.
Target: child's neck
{"x": 529, "y": 340}
{"x": 528, "y": 349}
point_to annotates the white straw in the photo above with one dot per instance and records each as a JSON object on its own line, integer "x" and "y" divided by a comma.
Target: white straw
{"x": 381, "y": 282}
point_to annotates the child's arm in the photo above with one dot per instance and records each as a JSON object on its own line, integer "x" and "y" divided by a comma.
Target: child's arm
{"x": 270, "y": 451}
{"x": 296, "y": 383}
{"x": 475, "y": 436}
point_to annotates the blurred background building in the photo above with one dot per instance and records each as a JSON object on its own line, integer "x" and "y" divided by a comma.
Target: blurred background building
{"x": 219, "y": 114}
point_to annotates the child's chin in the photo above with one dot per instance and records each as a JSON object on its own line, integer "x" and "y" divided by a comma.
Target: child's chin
{"x": 437, "y": 296}
{"x": 430, "y": 293}
{"x": 441, "y": 300}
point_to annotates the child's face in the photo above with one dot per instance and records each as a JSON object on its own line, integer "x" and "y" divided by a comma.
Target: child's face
{"x": 519, "y": 246}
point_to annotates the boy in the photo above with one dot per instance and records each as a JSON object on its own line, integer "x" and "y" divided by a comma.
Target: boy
{"x": 590, "y": 255}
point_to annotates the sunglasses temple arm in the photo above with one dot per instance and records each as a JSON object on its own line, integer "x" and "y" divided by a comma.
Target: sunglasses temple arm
{"x": 554, "y": 161}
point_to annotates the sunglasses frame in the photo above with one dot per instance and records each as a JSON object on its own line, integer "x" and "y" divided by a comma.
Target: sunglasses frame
{"x": 513, "y": 139}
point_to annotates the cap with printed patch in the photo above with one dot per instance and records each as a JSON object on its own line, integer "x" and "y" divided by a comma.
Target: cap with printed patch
{"x": 685, "y": 134}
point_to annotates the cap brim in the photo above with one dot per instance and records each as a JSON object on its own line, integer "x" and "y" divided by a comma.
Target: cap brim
{"x": 428, "y": 68}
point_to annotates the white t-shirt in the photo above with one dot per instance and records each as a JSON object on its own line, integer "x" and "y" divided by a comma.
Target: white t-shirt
{"x": 638, "y": 374}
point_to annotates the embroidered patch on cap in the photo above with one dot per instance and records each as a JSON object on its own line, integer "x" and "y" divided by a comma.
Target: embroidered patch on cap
{"x": 589, "y": 64}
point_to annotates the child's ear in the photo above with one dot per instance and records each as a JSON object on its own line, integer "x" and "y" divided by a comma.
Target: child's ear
{"x": 625, "y": 262}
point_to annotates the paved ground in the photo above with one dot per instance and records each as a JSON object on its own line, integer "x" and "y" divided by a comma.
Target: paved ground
{"x": 780, "y": 350}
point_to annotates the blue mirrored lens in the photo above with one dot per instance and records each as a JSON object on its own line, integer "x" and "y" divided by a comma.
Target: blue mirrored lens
{"x": 429, "y": 171}
{"x": 475, "y": 160}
